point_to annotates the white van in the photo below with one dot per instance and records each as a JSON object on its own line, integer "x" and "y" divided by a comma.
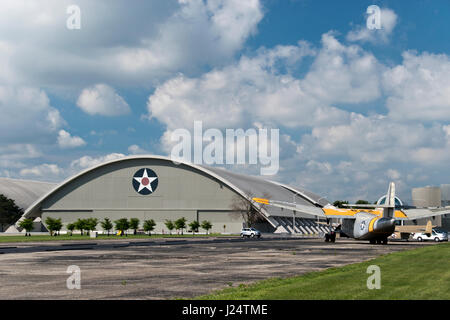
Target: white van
{"x": 435, "y": 235}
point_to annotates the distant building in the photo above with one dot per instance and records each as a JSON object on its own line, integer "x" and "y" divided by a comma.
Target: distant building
{"x": 445, "y": 195}
{"x": 426, "y": 197}
{"x": 398, "y": 201}
{"x": 433, "y": 197}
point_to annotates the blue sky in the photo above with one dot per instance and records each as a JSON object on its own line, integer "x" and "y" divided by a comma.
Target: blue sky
{"x": 355, "y": 108}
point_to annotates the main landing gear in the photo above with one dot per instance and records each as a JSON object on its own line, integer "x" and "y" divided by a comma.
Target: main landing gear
{"x": 330, "y": 236}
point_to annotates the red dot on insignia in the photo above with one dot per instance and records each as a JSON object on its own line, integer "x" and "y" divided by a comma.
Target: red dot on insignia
{"x": 145, "y": 181}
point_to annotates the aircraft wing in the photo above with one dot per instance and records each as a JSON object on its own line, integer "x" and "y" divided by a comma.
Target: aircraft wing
{"x": 311, "y": 210}
{"x": 413, "y": 214}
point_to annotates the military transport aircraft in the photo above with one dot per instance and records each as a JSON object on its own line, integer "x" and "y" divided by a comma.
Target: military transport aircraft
{"x": 363, "y": 221}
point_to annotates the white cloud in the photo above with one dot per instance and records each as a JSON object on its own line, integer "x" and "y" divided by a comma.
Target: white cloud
{"x": 88, "y": 161}
{"x": 135, "y": 149}
{"x": 27, "y": 116}
{"x": 119, "y": 43}
{"x": 343, "y": 74}
{"x": 199, "y": 33}
{"x": 65, "y": 140}
{"x": 393, "y": 174}
{"x": 419, "y": 88}
{"x": 102, "y": 100}
{"x": 388, "y": 22}
{"x": 361, "y": 156}
{"x": 256, "y": 89}
{"x": 18, "y": 151}
{"x": 47, "y": 171}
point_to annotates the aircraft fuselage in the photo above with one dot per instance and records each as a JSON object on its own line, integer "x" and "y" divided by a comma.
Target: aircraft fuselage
{"x": 368, "y": 226}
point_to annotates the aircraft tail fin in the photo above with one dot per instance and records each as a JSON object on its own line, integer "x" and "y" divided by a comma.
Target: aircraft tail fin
{"x": 388, "y": 210}
{"x": 429, "y": 227}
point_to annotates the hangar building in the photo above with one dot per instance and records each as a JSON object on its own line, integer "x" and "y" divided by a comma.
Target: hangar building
{"x": 155, "y": 187}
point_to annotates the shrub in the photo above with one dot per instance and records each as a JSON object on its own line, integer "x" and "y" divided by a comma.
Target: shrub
{"x": 26, "y": 224}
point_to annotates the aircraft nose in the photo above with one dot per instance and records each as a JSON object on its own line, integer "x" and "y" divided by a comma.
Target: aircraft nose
{"x": 384, "y": 225}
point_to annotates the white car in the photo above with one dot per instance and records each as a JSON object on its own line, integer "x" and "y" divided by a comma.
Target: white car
{"x": 436, "y": 235}
{"x": 250, "y": 232}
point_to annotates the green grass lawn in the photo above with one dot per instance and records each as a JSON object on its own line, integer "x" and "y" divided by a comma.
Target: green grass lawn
{"x": 5, "y": 239}
{"x": 422, "y": 273}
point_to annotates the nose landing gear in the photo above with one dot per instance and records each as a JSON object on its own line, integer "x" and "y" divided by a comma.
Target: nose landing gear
{"x": 379, "y": 241}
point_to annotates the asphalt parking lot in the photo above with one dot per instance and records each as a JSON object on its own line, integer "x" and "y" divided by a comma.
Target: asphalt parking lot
{"x": 164, "y": 271}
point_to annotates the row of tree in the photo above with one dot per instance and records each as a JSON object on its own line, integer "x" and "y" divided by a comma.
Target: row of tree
{"x": 342, "y": 203}
{"x": 122, "y": 225}
{"x": 180, "y": 224}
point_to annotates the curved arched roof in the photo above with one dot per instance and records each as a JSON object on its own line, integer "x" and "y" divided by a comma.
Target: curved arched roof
{"x": 24, "y": 192}
{"x": 246, "y": 186}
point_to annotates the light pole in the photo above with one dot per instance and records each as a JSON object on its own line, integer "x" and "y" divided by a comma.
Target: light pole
{"x": 293, "y": 216}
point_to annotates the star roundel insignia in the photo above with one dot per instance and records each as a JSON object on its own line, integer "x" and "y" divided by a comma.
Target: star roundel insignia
{"x": 145, "y": 181}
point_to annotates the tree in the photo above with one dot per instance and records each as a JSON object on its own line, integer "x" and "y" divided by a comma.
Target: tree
{"x": 58, "y": 225}
{"x": 122, "y": 225}
{"x": 243, "y": 207}
{"x": 194, "y": 225}
{"x": 53, "y": 225}
{"x": 180, "y": 224}
{"x": 27, "y": 224}
{"x": 206, "y": 225}
{"x": 71, "y": 227}
{"x": 149, "y": 225}
{"x": 106, "y": 225}
{"x": 339, "y": 203}
{"x": 361, "y": 202}
{"x": 9, "y": 212}
{"x": 170, "y": 225}
{"x": 134, "y": 224}
{"x": 91, "y": 224}
{"x": 80, "y": 224}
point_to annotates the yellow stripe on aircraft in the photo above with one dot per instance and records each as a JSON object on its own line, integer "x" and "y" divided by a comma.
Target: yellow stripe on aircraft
{"x": 399, "y": 214}
{"x": 343, "y": 212}
{"x": 352, "y": 212}
{"x": 371, "y": 223}
{"x": 261, "y": 200}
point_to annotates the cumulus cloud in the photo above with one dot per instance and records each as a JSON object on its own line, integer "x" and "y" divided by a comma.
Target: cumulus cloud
{"x": 365, "y": 153}
{"x": 47, "y": 171}
{"x": 88, "y": 161}
{"x": 419, "y": 88}
{"x": 135, "y": 150}
{"x": 65, "y": 140}
{"x": 103, "y": 100}
{"x": 257, "y": 90}
{"x": 27, "y": 116}
{"x": 118, "y": 42}
{"x": 388, "y": 19}
{"x": 343, "y": 74}
{"x": 18, "y": 151}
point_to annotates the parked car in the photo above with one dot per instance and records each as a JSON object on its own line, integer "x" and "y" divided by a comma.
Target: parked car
{"x": 250, "y": 233}
{"x": 435, "y": 235}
